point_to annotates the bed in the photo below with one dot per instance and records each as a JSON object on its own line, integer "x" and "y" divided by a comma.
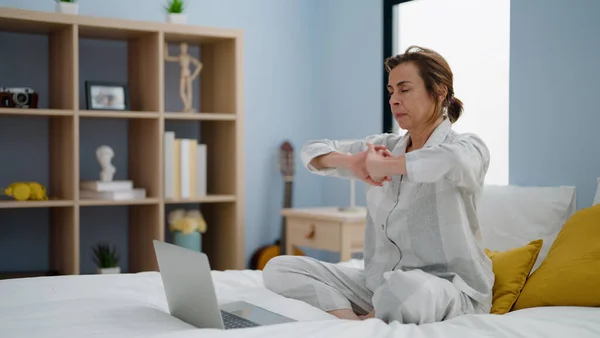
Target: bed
{"x": 132, "y": 305}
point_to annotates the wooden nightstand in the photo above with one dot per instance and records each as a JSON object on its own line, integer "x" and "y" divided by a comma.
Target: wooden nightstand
{"x": 325, "y": 229}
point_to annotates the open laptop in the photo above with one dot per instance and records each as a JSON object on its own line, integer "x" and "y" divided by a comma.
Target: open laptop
{"x": 190, "y": 293}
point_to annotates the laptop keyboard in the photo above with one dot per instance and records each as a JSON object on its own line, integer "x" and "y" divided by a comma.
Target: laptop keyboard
{"x": 232, "y": 321}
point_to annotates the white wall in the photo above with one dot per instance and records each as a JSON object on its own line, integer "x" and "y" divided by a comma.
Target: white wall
{"x": 474, "y": 37}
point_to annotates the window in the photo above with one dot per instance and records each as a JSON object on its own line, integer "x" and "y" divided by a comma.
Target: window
{"x": 474, "y": 37}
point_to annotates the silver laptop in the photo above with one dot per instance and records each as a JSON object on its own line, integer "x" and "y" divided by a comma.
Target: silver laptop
{"x": 190, "y": 293}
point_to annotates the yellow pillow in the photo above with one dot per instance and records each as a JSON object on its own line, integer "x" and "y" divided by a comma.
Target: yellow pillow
{"x": 511, "y": 269}
{"x": 569, "y": 274}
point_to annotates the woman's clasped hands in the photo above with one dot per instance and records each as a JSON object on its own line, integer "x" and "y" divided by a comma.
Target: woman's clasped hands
{"x": 368, "y": 165}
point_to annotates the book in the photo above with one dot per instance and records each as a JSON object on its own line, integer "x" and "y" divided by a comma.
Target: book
{"x": 184, "y": 167}
{"x": 169, "y": 164}
{"x": 136, "y": 193}
{"x": 188, "y": 167}
{"x": 177, "y": 168}
{"x": 185, "y": 172}
{"x": 193, "y": 144}
{"x": 200, "y": 185}
{"x": 106, "y": 186}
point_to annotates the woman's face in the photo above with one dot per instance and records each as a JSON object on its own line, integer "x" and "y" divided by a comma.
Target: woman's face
{"x": 411, "y": 105}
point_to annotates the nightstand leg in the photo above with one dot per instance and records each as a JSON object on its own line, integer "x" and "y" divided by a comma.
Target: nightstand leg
{"x": 289, "y": 247}
{"x": 345, "y": 254}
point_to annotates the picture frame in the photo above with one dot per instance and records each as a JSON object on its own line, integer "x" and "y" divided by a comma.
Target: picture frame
{"x": 104, "y": 95}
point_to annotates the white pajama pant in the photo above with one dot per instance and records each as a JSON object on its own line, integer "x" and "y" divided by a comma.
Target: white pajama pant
{"x": 405, "y": 296}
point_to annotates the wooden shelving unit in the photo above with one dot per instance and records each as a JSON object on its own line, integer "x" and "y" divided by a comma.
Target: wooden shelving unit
{"x": 220, "y": 122}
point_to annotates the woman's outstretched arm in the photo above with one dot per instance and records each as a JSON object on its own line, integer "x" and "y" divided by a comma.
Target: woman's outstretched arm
{"x": 333, "y": 159}
{"x": 340, "y": 158}
{"x": 463, "y": 162}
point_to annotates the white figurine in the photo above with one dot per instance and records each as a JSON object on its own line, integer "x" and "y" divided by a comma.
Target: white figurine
{"x": 186, "y": 78}
{"x": 104, "y": 154}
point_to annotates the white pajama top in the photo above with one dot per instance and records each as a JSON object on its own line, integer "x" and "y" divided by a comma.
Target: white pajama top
{"x": 427, "y": 218}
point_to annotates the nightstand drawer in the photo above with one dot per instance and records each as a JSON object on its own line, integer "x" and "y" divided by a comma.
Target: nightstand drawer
{"x": 317, "y": 234}
{"x": 356, "y": 233}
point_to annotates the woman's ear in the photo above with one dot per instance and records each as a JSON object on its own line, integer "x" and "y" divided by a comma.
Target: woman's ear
{"x": 442, "y": 92}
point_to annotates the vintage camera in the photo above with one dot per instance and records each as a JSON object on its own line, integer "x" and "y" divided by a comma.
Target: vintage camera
{"x": 18, "y": 98}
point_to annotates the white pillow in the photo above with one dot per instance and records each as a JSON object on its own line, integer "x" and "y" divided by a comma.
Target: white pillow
{"x": 512, "y": 216}
{"x": 597, "y": 197}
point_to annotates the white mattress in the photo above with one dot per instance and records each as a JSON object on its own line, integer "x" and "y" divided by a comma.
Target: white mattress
{"x": 131, "y": 305}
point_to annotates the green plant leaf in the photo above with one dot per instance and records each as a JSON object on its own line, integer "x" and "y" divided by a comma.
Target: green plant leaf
{"x": 175, "y": 6}
{"x": 104, "y": 257}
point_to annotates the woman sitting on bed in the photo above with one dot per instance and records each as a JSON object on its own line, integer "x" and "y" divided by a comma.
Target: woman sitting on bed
{"x": 423, "y": 256}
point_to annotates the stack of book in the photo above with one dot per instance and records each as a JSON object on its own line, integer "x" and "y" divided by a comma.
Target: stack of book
{"x": 184, "y": 167}
{"x": 114, "y": 190}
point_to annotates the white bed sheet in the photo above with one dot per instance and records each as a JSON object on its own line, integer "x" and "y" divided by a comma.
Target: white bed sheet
{"x": 134, "y": 305}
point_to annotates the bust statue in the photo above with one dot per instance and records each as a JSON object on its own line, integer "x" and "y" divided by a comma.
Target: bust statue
{"x": 104, "y": 154}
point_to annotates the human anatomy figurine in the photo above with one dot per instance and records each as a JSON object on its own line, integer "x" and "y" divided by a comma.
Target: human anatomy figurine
{"x": 104, "y": 154}
{"x": 186, "y": 77}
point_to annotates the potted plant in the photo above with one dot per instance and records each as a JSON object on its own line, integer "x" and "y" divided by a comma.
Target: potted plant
{"x": 106, "y": 260}
{"x": 174, "y": 9}
{"x": 187, "y": 228}
{"x": 67, "y": 6}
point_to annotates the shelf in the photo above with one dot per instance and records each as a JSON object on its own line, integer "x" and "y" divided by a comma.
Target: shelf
{"x": 32, "y": 21}
{"x": 207, "y": 199}
{"x": 201, "y": 116}
{"x": 198, "y": 35}
{"x": 17, "y": 20}
{"x": 49, "y": 71}
{"x": 58, "y": 150}
{"x": 35, "y": 112}
{"x": 38, "y": 150}
{"x": 134, "y": 61}
{"x": 109, "y": 114}
{"x": 120, "y": 202}
{"x": 35, "y": 204}
{"x": 102, "y": 30}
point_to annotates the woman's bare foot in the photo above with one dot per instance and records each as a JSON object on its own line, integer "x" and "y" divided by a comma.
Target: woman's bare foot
{"x": 344, "y": 314}
{"x": 367, "y": 316}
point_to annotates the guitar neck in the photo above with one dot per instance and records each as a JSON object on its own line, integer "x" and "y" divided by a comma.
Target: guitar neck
{"x": 287, "y": 203}
{"x": 287, "y": 200}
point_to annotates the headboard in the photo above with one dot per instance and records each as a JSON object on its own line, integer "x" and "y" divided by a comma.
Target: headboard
{"x": 512, "y": 216}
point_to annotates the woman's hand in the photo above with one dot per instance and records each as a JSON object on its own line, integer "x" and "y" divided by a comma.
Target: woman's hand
{"x": 375, "y": 162}
{"x": 357, "y": 164}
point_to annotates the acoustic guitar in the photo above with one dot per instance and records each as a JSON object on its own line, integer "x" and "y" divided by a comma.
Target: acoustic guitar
{"x": 265, "y": 253}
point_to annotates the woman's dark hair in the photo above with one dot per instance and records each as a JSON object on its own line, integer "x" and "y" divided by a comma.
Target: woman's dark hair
{"x": 435, "y": 72}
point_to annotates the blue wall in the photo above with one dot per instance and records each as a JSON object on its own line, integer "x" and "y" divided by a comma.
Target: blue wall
{"x": 554, "y": 113}
{"x": 352, "y": 60}
{"x": 281, "y": 91}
